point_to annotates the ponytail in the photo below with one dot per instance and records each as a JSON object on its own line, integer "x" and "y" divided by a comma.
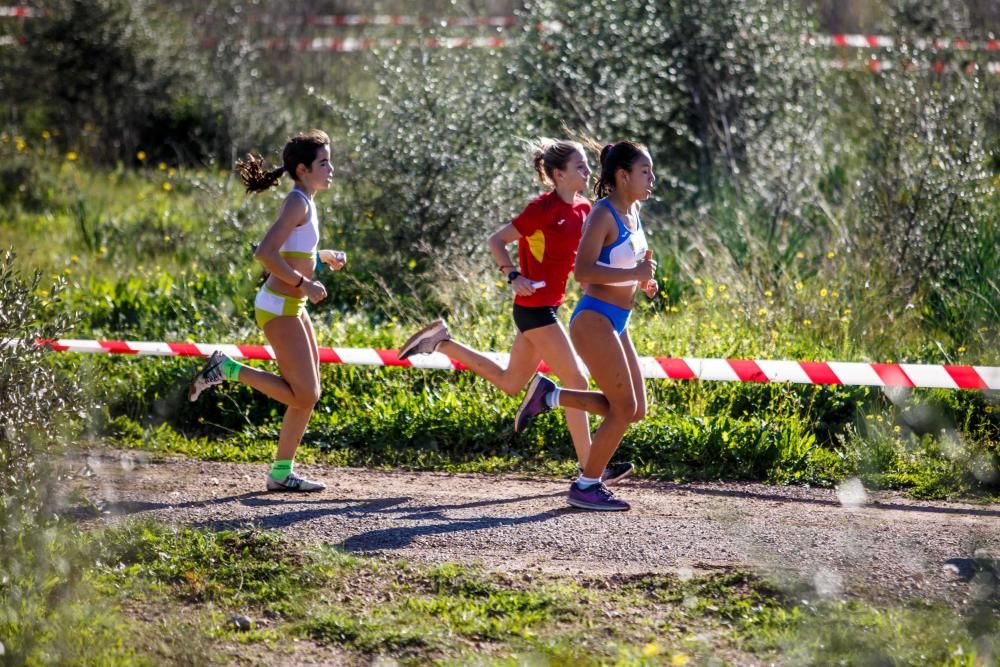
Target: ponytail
{"x": 255, "y": 177}
{"x": 548, "y": 155}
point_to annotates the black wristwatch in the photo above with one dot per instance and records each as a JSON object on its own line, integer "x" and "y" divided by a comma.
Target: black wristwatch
{"x": 512, "y": 275}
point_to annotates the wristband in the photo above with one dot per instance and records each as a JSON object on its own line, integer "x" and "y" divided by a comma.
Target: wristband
{"x": 512, "y": 275}
{"x": 301, "y": 278}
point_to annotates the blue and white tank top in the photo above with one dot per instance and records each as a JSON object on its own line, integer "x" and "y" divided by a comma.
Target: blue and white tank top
{"x": 626, "y": 251}
{"x": 304, "y": 239}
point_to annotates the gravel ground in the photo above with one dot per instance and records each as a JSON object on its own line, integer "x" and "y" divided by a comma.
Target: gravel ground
{"x": 835, "y": 542}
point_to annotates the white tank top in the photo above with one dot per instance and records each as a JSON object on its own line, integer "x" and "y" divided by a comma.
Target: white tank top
{"x": 626, "y": 251}
{"x": 304, "y": 239}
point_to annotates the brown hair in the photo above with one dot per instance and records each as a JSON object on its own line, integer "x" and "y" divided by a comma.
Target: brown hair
{"x": 614, "y": 157}
{"x": 300, "y": 149}
{"x": 548, "y": 155}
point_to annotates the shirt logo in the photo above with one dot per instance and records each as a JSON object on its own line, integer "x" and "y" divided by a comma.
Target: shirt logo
{"x": 561, "y": 221}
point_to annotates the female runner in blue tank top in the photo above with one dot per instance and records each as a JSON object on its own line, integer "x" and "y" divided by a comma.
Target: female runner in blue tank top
{"x": 290, "y": 255}
{"x": 615, "y": 262}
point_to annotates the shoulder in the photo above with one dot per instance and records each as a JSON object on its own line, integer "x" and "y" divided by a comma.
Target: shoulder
{"x": 295, "y": 205}
{"x": 600, "y": 217}
{"x": 543, "y": 201}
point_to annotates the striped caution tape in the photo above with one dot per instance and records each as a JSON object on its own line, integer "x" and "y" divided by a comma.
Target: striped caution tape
{"x": 673, "y": 368}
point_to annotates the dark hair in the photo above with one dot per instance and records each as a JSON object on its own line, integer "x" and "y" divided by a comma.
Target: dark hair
{"x": 614, "y": 157}
{"x": 300, "y": 149}
{"x": 550, "y": 154}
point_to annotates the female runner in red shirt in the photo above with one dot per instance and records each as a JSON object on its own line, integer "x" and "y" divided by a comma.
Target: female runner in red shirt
{"x": 548, "y": 233}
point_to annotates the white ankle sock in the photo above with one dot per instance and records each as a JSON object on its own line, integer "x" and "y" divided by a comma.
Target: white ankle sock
{"x": 552, "y": 400}
{"x": 586, "y": 482}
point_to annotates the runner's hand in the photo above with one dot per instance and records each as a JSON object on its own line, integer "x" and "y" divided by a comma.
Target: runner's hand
{"x": 522, "y": 286}
{"x": 650, "y": 287}
{"x": 646, "y": 268}
{"x": 315, "y": 291}
{"x": 335, "y": 259}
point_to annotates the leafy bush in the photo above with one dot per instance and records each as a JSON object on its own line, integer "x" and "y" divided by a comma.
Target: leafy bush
{"x": 45, "y": 614}
{"x": 696, "y": 80}
{"x": 434, "y": 166}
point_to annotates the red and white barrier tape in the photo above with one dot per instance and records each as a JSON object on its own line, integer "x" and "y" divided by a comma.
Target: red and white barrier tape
{"x": 884, "y": 42}
{"x": 672, "y": 368}
{"x": 857, "y": 41}
{"x": 351, "y": 44}
{"x": 17, "y": 11}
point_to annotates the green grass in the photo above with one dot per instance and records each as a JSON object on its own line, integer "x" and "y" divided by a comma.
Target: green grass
{"x": 461, "y": 614}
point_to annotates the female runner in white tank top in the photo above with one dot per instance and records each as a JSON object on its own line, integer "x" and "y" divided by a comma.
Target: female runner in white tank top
{"x": 290, "y": 255}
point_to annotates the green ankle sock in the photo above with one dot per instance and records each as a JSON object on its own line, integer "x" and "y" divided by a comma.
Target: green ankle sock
{"x": 281, "y": 469}
{"x": 231, "y": 370}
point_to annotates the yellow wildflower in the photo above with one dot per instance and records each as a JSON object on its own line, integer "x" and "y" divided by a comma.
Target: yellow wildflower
{"x": 46, "y": 135}
{"x": 71, "y": 156}
{"x": 697, "y": 281}
{"x": 141, "y": 156}
{"x": 167, "y": 186}
{"x": 961, "y": 349}
{"x": 650, "y": 649}
{"x": 989, "y": 409}
{"x": 823, "y": 292}
{"x": 831, "y": 255}
{"x": 800, "y": 255}
{"x": 799, "y": 285}
{"x": 680, "y": 660}
{"x": 768, "y": 294}
{"x": 412, "y": 264}
{"x": 896, "y": 429}
{"x": 807, "y": 322}
{"x": 722, "y": 288}
{"x": 762, "y": 312}
{"x": 162, "y": 166}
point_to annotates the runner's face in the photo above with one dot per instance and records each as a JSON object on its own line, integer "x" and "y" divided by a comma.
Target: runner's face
{"x": 576, "y": 174}
{"x": 638, "y": 181}
{"x": 320, "y": 174}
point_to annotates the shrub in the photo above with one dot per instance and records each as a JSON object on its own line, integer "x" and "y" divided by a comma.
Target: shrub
{"x": 45, "y": 618}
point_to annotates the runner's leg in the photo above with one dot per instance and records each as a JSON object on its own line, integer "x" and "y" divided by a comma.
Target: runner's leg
{"x": 602, "y": 350}
{"x": 555, "y": 348}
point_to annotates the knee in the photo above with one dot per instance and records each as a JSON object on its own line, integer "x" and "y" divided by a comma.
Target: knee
{"x": 307, "y": 397}
{"x": 625, "y": 410}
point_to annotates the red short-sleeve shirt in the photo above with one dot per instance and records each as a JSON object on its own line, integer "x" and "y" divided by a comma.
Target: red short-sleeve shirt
{"x": 550, "y": 235}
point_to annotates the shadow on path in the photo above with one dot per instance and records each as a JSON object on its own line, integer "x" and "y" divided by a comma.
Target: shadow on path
{"x": 876, "y": 504}
{"x": 397, "y": 538}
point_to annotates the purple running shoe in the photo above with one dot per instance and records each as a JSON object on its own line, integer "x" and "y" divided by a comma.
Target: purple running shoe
{"x": 533, "y": 403}
{"x": 596, "y": 497}
{"x": 615, "y": 472}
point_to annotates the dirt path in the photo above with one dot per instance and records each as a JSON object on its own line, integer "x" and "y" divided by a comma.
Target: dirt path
{"x": 878, "y": 544}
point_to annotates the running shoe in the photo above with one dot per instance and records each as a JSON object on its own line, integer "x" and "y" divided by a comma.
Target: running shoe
{"x": 534, "y": 402}
{"x": 596, "y": 497}
{"x": 209, "y": 376}
{"x": 294, "y": 483}
{"x": 426, "y": 340}
{"x": 615, "y": 472}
